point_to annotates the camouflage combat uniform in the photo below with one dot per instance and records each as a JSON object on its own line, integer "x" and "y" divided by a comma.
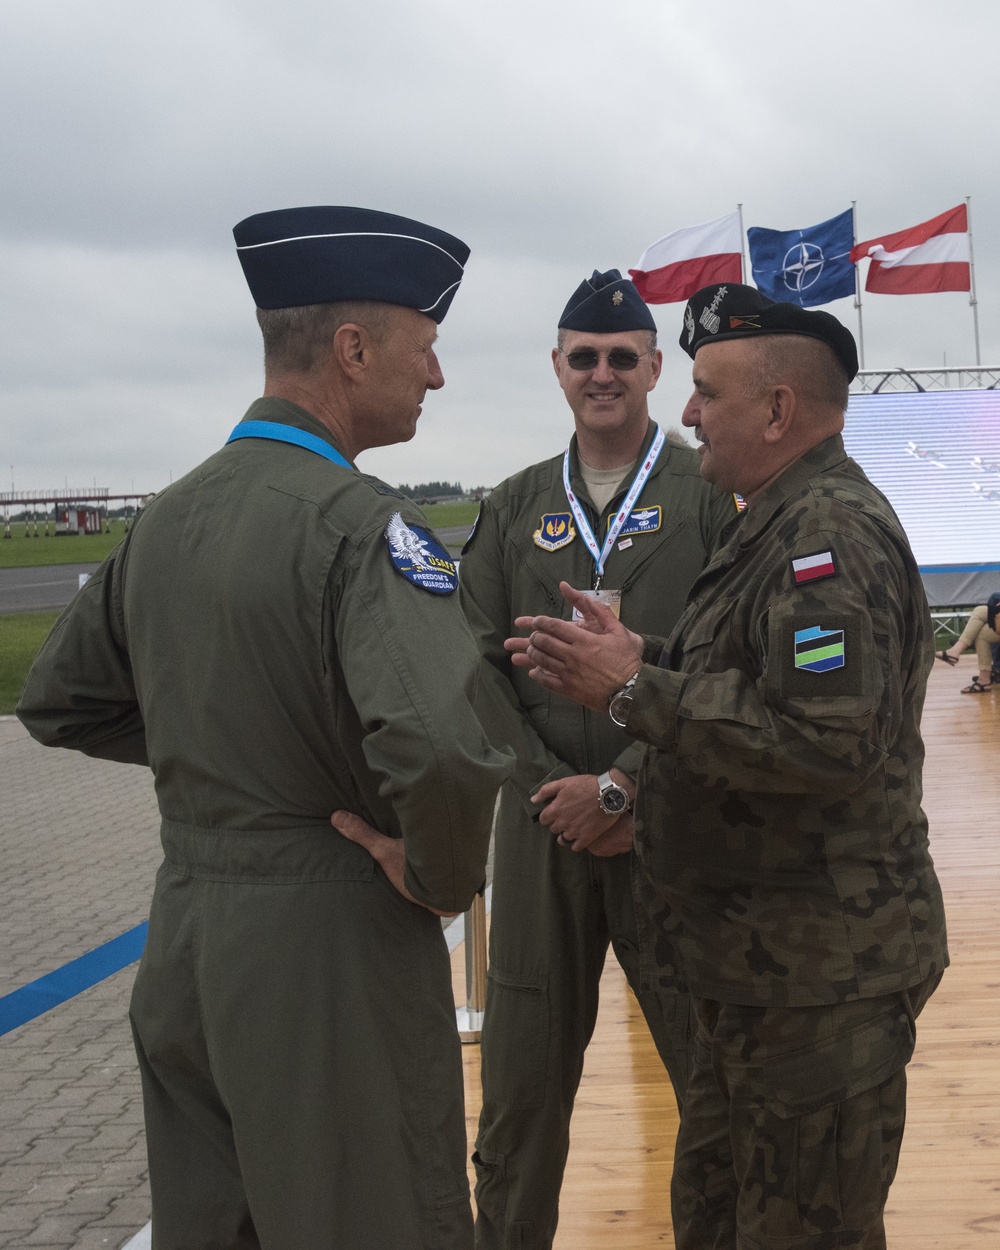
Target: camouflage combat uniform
{"x": 787, "y": 881}
{"x": 253, "y": 642}
{"x": 555, "y": 910}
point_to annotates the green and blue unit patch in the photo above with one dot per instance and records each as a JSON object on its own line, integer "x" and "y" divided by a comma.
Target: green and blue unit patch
{"x": 818, "y": 650}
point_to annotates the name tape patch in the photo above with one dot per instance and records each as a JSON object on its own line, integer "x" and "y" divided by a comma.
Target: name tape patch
{"x": 641, "y": 521}
{"x": 419, "y": 557}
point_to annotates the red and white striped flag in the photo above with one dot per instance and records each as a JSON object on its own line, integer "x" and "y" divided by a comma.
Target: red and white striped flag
{"x": 933, "y": 256}
{"x": 674, "y": 267}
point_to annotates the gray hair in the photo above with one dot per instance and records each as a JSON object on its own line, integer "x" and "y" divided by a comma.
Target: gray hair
{"x": 806, "y": 364}
{"x": 296, "y": 338}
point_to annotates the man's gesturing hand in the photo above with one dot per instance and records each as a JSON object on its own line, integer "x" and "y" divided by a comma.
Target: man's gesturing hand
{"x": 586, "y": 662}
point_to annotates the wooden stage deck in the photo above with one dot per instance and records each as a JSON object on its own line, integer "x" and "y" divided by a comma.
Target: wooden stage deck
{"x": 947, "y": 1192}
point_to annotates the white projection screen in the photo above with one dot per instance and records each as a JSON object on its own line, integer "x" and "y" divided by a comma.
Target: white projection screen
{"x": 936, "y": 456}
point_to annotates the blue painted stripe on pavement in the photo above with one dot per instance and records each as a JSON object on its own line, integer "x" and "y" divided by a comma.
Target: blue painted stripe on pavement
{"x": 38, "y": 997}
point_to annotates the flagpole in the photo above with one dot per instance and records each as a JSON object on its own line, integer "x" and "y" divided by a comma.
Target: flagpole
{"x": 857, "y": 285}
{"x": 743, "y": 255}
{"x": 972, "y": 278}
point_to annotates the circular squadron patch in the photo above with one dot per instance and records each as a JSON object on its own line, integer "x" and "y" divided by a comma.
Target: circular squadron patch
{"x": 419, "y": 557}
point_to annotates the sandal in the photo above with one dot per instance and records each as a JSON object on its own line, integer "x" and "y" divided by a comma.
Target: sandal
{"x": 977, "y": 687}
{"x": 943, "y": 655}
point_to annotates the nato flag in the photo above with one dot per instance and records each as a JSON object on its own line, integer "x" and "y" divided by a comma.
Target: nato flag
{"x": 804, "y": 267}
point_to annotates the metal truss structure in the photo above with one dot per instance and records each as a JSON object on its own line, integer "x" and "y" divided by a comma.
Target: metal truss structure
{"x": 972, "y": 378}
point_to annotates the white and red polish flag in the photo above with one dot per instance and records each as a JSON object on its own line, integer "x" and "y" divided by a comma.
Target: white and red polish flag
{"x": 933, "y": 256}
{"x": 674, "y": 267}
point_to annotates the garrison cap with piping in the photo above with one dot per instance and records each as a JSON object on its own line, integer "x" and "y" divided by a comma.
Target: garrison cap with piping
{"x": 324, "y": 254}
{"x": 606, "y": 303}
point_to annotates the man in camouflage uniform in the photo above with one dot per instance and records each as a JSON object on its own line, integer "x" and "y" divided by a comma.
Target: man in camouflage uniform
{"x": 562, "y": 878}
{"x": 787, "y": 880}
{"x": 279, "y": 638}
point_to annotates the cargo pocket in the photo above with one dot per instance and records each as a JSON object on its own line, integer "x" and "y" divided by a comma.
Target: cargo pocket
{"x": 824, "y": 1137}
{"x": 517, "y": 1028}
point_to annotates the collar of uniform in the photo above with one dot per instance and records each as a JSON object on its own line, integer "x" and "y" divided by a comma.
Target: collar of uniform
{"x": 580, "y": 486}
{"x": 284, "y": 412}
{"x": 825, "y": 455}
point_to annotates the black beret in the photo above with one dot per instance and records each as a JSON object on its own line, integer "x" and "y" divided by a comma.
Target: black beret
{"x": 734, "y": 311}
{"x": 321, "y": 255}
{"x": 606, "y": 303}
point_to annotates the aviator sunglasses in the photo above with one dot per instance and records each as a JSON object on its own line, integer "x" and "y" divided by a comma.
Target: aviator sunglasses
{"x": 619, "y": 358}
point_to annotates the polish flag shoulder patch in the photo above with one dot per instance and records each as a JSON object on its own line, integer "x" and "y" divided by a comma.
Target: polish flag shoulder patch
{"x": 812, "y": 568}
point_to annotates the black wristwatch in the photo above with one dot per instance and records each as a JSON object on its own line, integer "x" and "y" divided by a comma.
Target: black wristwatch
{"x": 612, "y": 797}
{"x": 620, "y": 703}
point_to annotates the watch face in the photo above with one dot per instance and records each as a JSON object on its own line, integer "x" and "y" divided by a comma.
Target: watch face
{"x": 614, "y": 800}
{"x": 619, "y": 707}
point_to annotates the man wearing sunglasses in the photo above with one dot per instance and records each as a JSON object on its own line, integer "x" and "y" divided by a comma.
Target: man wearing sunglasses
{"x": 625, "y": 513}
{"x": 781, "y": 846}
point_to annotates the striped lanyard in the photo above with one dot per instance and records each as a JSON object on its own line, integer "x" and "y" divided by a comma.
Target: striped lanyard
{"x": 279, "y": 433}
{"x": 600, "y": 554}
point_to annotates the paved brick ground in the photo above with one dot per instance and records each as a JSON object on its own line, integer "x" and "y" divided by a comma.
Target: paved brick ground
{"x": 79, "y": 847}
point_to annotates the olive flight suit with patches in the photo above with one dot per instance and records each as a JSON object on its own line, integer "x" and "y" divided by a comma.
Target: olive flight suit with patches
{"x": 785, "y": 866}
{"x": 254, "y": 642}
{"x": 555, "y": 910}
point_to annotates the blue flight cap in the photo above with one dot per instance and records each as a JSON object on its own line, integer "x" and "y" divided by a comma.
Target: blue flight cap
{"x": 322, "y": 255}
{"x": 606, "y": 303}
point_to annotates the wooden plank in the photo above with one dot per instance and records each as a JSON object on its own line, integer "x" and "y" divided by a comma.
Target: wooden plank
{"x": 947, "y": 1192}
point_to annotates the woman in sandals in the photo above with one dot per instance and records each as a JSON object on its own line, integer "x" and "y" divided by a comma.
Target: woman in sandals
{"x": 981, "y": 629}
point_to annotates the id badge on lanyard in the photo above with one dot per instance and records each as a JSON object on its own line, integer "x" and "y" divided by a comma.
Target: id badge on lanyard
{"x": 612, "y": 598}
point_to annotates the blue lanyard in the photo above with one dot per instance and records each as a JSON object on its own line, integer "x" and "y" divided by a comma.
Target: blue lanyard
{"x": 288, "y": 434}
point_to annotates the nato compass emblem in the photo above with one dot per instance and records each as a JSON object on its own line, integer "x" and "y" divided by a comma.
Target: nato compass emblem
{"x": 710, "y": 318}
{"x": 802, "y": 266}
{"x": 554, "y": 531}
{"x": 418, "y": 556}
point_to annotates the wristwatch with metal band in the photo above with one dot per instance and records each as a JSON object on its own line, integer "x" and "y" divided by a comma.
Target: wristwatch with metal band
{"x": 620, "y": 703}
{"x": 613, "y": 798}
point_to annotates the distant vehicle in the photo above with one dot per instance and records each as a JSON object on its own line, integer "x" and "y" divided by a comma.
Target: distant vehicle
{"x": 72, "y": 519}
{"x": 925, "y": 454}
{"x": 985, "y": 466}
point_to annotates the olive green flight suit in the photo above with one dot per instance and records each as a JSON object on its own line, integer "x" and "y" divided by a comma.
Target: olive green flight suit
{"x": 253, "y": 641}
{"x": 788, "y": 883}
{"x": 554, "y": 910}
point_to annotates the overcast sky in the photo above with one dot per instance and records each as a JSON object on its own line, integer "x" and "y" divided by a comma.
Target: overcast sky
{"x": 554, "y": 138}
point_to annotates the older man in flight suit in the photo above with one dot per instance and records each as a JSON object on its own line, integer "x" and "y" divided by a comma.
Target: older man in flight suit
{"x": 278, "y": 638}
{"x": 784, "y": 852}
{"x": 562, "y": 882}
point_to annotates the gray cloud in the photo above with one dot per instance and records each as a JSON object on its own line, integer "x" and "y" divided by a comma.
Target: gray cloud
{"x": 555, "y": 138}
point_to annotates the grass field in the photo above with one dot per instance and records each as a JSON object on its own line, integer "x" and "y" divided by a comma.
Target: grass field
{"x": 22, "y": 552}
{"x": 20, "y": 638}
{"x": 442, "y": 514}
